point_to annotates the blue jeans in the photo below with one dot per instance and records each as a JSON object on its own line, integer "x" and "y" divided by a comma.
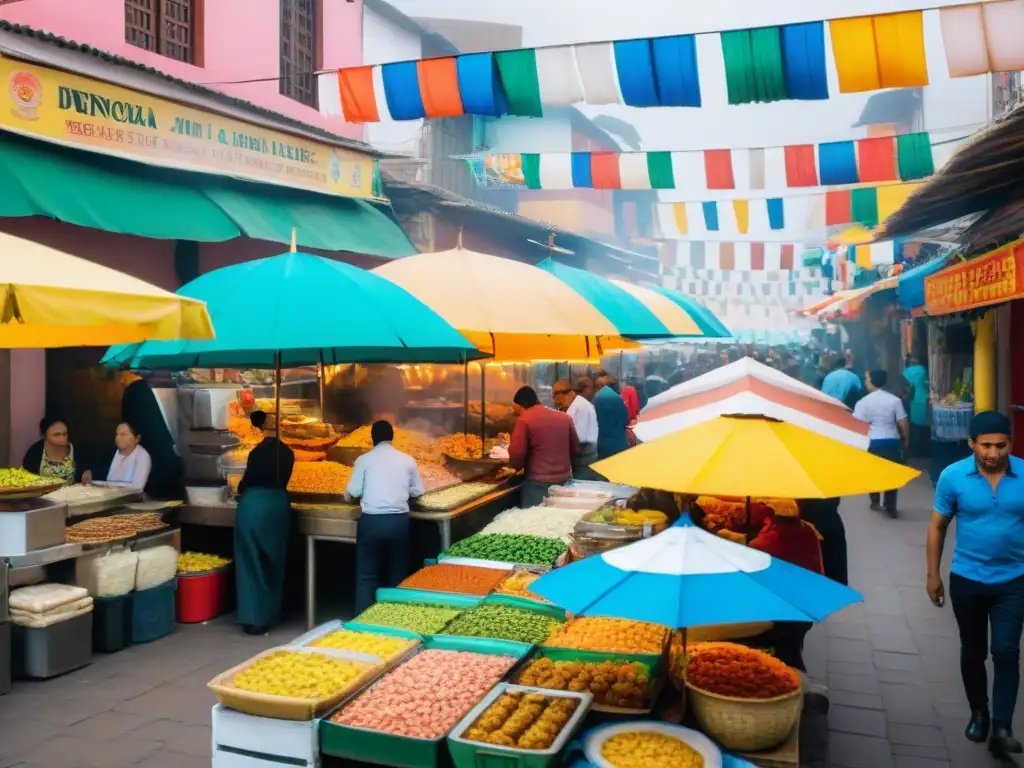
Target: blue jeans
{"x": 382, "y": 555}
{"x": 976, "y": 606}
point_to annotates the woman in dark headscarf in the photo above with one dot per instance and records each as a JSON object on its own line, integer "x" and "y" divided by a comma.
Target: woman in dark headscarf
{"x": 139, "y": 407}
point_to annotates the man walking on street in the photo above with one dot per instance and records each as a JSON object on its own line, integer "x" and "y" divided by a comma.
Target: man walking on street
{"x": 888, "y": 430}
{"x": 985, "y": 492}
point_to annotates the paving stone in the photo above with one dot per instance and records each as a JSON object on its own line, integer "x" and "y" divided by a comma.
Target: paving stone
{"x": 853, "y": 683}
{"x": 849, "y": 651}
{"x": 901, "y": 662}
{"x": 894, "y": 643}
{"x": 913, "y": 750}
{"x": 906, "y": 761}
{"x": 849, "y": 668}
{"x": 849, "y": 630}
{"x": 918, "y": 735}
{"x": 867, "y": 722}
{"x": 849, "y": 750}
{"x": 851, "y": 699}
{"x": 110, "y": 725}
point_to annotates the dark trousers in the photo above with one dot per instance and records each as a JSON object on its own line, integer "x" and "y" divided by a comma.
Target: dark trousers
{"x": 532, "y": 493}
{"x": 382, "y": 555}
{"x": 891, "y": 450}
{"x": 823, "y": 514}
{"x": 920, "y": 440}
{"x": 787, "y": 638}
{"x": 976, "y": 606}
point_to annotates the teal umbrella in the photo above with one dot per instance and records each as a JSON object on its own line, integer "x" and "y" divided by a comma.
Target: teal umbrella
{"x": 704, "y": 317}
{"x": 294, "y": 310}
{"x": 629, "y": 316}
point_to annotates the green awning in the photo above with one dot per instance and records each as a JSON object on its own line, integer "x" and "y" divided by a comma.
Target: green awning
{"x": 100, "y": 192}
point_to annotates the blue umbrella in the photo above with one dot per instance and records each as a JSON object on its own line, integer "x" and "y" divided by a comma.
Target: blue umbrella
{"x": 294, "y": 310}
{"x": 687, "y": 577}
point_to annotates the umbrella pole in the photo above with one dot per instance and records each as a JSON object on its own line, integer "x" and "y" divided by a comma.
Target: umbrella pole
{"x": 465, "y": 398}
{"x": 320, "y": 381}
{"x": 277, "y": 411}
{"x": 483, "y": 411}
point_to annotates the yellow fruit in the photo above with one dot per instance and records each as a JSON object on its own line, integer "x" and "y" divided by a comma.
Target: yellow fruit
{"x": 641, "y": 749}
{"x": 197, "y": 562}
{"x": 383, "y": 646}
{"x": 298, "y": 675}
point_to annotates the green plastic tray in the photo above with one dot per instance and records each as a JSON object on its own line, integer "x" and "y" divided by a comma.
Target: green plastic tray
{"x": 533, "y": 606}
{"x": 424, "y": 597}
{"x": 472, "y": 754}
{"x": 402, "y": 751}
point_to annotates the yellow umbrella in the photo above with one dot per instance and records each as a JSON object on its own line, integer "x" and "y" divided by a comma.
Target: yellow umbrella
{"x": 675, "y": 318}
{"x": 753, "y": 456}
{"x": 506, "y": 308}
{"x": 53, "y": 299}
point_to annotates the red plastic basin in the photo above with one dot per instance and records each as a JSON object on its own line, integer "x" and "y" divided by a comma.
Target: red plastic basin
{"x": 203, "y": 596}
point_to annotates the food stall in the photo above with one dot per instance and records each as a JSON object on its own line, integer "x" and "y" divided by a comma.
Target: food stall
{"x": 463, "y": 663}
{"x": 53, "y": 540}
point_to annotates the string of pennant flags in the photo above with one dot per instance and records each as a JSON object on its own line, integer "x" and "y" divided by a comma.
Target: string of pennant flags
{"x": 783, "y": 216}
{"x": 906, "y": 157}
{"x": 776, "y": 63}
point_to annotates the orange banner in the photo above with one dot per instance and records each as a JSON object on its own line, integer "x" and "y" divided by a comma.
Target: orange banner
{"x": 991, "y": 279}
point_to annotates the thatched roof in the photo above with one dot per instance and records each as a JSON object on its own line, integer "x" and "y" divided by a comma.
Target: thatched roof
{"x": 984, "y": 175}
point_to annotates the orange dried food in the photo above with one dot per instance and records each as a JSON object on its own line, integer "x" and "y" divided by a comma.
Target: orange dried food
{"x": 730, "y": 669}
{"x": 597, "y": 633}
{"x": 328, "y": 477}
{"x": 518, "y": 585}
{"x": 304, "y": 455}
{"x": 461, "y": 579}
{"x": 613, "y": 683}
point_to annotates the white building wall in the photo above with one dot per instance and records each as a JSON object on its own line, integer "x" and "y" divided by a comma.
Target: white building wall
{"x": 385, "y": 42}
{"x": 525, "y": 134}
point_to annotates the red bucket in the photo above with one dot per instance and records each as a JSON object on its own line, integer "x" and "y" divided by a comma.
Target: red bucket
{"x": 203, "y": 596}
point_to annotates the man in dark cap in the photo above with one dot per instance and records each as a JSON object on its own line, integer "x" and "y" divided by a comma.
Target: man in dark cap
{"x": 986, "y": 584}
{"x": 544, "y": 443}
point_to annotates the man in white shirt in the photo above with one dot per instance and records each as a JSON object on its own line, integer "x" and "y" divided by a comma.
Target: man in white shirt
{"x": 578, "y": 408}
{"x": 383, "y": 480}
{"x": 889, "y": 428}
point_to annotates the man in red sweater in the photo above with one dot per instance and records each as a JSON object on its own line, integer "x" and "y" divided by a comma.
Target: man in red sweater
{"x": 544, "y": 443}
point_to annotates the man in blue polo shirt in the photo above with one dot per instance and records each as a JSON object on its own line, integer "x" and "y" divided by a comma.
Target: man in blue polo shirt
{"x": 985, "y": 492}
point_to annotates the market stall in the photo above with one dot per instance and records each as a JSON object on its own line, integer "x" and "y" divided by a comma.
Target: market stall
{"x": 58, "y": 300}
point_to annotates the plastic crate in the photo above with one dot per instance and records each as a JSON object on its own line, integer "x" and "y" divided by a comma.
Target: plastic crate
{"x": 474, "y": 754}
{"x": 370, "y": 746}
{"x": 111, "y": 623}
{"x": 153, "y": 613}
{"x": 203, "y": 596}
{"x": 247, "y": 741}
{"x": 44, "y": 652}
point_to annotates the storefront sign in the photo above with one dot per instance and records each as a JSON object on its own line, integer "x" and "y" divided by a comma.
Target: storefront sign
{"x": 51, "y": 105}
{"x": 991, "y": 279}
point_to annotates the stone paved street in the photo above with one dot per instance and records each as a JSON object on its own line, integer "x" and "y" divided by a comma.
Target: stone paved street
{"x": 891, "y": 667}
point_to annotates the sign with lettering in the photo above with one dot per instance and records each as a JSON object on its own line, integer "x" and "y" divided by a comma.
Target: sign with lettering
{"x": 996, "y": 277}
{"x": 56, "y": 106}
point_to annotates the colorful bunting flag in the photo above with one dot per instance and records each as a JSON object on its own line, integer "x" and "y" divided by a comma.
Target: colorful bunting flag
{"x": 759, "y": 219}
{"x": 762, "y": 64}
{"x": 704, "y": 260}
{"x": 983, "y": 37}
{"x": 885, "y": 159}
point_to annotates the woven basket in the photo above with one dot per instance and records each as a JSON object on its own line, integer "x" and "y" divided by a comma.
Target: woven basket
{"x": 746, "y": 725}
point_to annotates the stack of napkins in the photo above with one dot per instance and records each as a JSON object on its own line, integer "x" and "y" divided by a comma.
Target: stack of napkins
{"x": 43, "y": 605}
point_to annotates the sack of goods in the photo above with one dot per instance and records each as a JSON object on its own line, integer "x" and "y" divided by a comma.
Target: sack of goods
{"x": 157, "y": 566}
{"x": 108, "y": 575}
{"x": 43, "y": 605}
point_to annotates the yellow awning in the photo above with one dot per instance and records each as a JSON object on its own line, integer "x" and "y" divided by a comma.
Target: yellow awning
{"x": 54, "y": 299}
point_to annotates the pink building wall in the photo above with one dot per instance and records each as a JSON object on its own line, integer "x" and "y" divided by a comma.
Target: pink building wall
{"x": 241, "y": 41}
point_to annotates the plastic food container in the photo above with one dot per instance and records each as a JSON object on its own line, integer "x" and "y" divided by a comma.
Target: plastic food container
{"x": 370, "y": 746}
{"x": 414, "y": 640}
{"x": 45, "y": 652}
{"x": 153, "y": 613}
{"x": 474, "y": 754}
{"x": 203, "y": 596}
{"x": 111, "y": 623}
{"x": 698, "y": 741}
{"x": 287, "y": 707}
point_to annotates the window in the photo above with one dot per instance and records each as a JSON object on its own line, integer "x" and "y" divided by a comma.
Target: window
{"x": 167, "y": 27}
{"x": 300, "y": 49}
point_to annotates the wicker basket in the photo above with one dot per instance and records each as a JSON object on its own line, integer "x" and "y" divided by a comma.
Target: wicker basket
{"x": 746, "y": 725}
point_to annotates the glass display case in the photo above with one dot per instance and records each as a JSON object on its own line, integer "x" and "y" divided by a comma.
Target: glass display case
{"x": 951, "y": 377}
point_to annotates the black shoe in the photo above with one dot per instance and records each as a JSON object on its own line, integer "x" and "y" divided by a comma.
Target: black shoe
{"x": 977, "y": 729}
{"x": 249, "y": 629}
{"x": 1002, "y": 743}
{"x": 892, "y": 512}
{"x": 876, "y": 507}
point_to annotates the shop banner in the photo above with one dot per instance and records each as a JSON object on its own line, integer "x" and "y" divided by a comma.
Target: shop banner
{"x": 991, "y": 279}
{"x": 67, "y": 109}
